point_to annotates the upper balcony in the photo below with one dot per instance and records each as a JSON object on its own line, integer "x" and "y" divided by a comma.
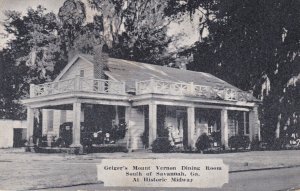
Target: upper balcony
{"x": 78, "y": 84}
{"x": 101, "y": 86}
{"x": 191, "y": 89}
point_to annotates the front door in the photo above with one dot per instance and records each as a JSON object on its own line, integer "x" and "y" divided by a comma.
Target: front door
{"x": 18, "y": 137}
{"x": 182, "y": 126}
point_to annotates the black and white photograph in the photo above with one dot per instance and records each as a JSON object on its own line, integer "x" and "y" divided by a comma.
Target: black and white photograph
{"x": 150, "y": 95}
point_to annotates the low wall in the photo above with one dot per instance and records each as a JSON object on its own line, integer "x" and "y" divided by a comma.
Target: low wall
{"x": 7, "y": 131}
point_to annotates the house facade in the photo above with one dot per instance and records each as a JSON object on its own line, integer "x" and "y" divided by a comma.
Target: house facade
{"x": 147, "y": 97}
{"x": 12, "y": 133}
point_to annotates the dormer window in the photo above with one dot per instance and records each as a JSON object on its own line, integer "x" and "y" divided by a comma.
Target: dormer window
{"x": 81, "y": 73}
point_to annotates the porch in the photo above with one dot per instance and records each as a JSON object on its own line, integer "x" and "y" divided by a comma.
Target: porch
{"x": 183, "y": 108}
{"x": 78, "y": 84}
{"x": 153, "y": 86}
{"x": 184, "y": 124}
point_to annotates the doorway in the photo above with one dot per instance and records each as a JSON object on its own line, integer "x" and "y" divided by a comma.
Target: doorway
{"x": 19, "y": 137}
{"x": 182, "y": 126}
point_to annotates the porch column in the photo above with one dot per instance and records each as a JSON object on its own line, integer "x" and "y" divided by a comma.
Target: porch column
{"x": 30, "y": 124}
{"x": 45, "y": 121}
{"x": 117, "y": 115}
{"x": 76, "y": 124}
{"x": 128, "y": 121}
{"x": 224, "y": 127}
{"x": 277, "y": 131}
{"x": 191, "y": 126}
{"x": 152, "y": 123}
{"x": 254, "y": 124}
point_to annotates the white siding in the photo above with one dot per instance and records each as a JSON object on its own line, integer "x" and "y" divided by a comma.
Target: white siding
{"x": 7, "y": 131}
{"x": 51, "y": 120}
{"x": 174, "y": 121}
{"x": 56, "y": 121}
{"x": 74, "y": 70}
{"x": 201, "y": 126}
{"x": 69, "y": 116}
{"x": 45, "y": 121}
{"x": 59, "y": 117}
{"x": 63, "y": 117}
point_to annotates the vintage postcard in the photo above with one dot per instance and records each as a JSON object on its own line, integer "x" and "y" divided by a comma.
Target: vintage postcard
{"x": 149, "y": 95}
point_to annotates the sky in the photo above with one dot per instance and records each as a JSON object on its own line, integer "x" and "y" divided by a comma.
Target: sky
{"x": 22, "y": 6}
{"x": 187, "y": 28}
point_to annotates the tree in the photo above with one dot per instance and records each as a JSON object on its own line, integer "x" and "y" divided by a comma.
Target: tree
{"x": 30, "y": 56}
{"x": 72, "y": 16}
{"x": 249, "y": 43}
{"x": 90, "y": 36}
{"x": 135, "y": 30}
{"x": 11, "y": 80}
{"x": 35, "y": 45}
{"x": 43, "y": 42}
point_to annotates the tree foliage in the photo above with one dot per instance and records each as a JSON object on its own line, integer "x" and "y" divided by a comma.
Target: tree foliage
{"x": 30, "y": 56}
{"x": 35, "y": 44}
{"x": 11, "y": 81}
{"x": 43, "y": 42}
{"x": 135, "y": 30}
{"x": 72, "y": 16}
{"x": 250, "y": 43}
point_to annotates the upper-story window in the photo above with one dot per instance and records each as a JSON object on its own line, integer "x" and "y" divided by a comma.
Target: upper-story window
{"x": 81, "y": 73}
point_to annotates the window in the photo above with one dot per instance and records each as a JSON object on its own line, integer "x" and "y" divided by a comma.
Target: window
{"x": 238, "y": 123}
{"x": 81, "y": 73}
{"x": 233, "y": 123}
{"x": 247, "y": 127}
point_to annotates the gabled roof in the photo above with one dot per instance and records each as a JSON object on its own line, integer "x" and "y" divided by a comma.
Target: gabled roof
{"x": 68, "y": 66}
{"x": 130, "y": 72}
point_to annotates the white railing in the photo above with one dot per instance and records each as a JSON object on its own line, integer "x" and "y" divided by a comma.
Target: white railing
{"x": 78, "y": 84}
{"x": 52, "y": 88}
{"x": 102, "y": 86}
{"x": 190, "y": 89}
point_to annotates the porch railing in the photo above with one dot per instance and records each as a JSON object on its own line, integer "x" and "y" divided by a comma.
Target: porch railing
{"x": 78, "y": 84}
{"x": 190, "y": 89}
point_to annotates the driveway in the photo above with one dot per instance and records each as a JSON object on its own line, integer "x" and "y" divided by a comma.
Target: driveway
{"x": 276, "y": 179}
{"x": 23, "y": 171}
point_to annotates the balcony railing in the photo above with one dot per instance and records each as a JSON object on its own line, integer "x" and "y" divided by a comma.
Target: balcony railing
{"x": 78, "y": 84}
{"x": 190, "y": 89}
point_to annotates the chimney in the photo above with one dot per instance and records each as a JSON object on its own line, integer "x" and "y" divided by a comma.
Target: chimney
{"x": 71, "y": 53}
{"x": 101, "y": 58}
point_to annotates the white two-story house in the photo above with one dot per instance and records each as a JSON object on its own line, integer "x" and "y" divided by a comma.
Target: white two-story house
{"x": 147, "y": 97}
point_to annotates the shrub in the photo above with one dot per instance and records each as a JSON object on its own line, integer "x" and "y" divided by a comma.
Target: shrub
{"x": 162, "y": 132}
{"x": 161, "y": 145}
{"x": 239, "y": 141}
{"x": 118, "y": 131}
{"x": 145, "y": 138}
{"x": 203, "y": 142}
{"x": 257, "y": 145}
{"x": 278, "y": 144}
{"x": 216, "y": 136}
